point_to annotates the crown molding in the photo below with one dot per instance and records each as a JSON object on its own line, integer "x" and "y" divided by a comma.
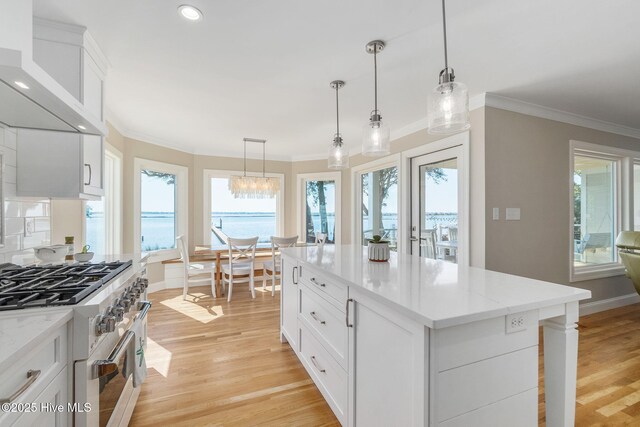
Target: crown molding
{"x": 535, "y": 110}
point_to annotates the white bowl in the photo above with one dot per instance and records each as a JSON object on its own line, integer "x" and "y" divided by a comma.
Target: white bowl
{"x": 83, "y": 257}
{"x": 53, "y": 253}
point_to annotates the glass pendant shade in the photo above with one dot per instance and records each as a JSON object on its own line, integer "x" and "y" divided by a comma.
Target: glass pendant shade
{"x": 338, "y": 155}
{"x": 376, "y": 136}
{"x": 449, "y": 108}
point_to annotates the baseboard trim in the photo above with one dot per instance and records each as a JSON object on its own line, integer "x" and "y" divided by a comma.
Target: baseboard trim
{"x": 609, "y": 303}
{"x": 155, "y": 287}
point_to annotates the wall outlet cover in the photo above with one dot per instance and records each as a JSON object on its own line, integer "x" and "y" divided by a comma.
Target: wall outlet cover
{"x": 496, "y": 214}
{"x": 29, "y": 226}
{"x": 512, "y": 214}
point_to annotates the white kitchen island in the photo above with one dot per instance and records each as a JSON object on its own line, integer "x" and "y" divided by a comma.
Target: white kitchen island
{"x": 418, "y": 342}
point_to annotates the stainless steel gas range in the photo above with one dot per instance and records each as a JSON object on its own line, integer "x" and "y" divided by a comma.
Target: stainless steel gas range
{"x": 109, "y": 301}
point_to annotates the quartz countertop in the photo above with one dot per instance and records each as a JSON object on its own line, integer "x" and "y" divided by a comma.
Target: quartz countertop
{"x": 436, "y": 293}
{"x": 22, "y": 330}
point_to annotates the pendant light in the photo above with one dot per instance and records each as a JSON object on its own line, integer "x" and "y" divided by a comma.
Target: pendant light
{"x": 254, "y": 187}
{"x": 449, "y": 101}
{"x": 375, "y": 141}
{"x": 338, "y": 153}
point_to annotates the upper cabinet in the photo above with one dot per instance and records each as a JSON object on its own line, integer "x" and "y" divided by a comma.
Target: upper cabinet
{"x": 65, "y": 165}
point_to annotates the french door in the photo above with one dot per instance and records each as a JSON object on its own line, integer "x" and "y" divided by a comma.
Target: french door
{"x": 438, "y": 216}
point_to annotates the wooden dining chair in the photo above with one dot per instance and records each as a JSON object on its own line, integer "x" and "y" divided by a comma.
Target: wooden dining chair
{"x": 271, "y": 269}
{"x": 240, "y": 268}
{"x": 195, "y": 272}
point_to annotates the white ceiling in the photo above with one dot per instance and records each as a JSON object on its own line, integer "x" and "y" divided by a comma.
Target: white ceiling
{"x": 261, "y": 68}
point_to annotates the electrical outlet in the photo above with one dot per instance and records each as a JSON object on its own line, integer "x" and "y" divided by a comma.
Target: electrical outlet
{"x": 516, "y": 323}
{"x": 29, "y": 226}
{"x": 496, "y": 214}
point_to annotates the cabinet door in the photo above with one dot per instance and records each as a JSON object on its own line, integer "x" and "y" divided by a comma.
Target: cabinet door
{"x": 289, "y": 302}
{"x": 92, "y": 88}
{"x": 387, "y": 366}
{"x": 92, "y": 154}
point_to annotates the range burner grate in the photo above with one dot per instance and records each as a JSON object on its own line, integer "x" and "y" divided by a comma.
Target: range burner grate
{"x": 54, "y": 285}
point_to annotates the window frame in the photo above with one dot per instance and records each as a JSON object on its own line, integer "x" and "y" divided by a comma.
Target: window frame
{"x": 206, "y": 199}
{"x": 393, "y": 160}
{"x": 301, "y": 180}
{"x": 181, "y": 204}
{"x": 623, "y": 204}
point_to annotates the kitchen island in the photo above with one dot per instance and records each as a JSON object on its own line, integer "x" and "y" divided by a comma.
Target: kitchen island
{"x": 415, "y": 341}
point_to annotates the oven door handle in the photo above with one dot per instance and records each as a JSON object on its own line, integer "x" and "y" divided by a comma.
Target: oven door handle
{"x": 144, "y": 307}
{"x": 100, "y": 368}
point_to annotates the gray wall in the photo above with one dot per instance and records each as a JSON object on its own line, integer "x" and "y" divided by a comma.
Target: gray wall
{"x": 527, "y": 167}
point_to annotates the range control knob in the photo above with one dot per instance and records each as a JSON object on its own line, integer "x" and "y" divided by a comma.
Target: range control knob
{"x": 142, "y": 282}
{"x": 118, "y": 313}
{"x": 110, "y": 323}
{"x": 125, "y": 303}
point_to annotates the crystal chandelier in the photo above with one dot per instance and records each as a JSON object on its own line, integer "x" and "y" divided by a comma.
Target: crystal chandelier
{"x": 376, "y": 134}
{"x": 254, "y": 187}
{"x": 338, "y": 153}
{"x": 449, "y": 101}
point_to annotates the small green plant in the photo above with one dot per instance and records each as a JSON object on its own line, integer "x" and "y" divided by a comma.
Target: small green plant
{"x": 85, "y": 249}
{"x": 378, "y": 239}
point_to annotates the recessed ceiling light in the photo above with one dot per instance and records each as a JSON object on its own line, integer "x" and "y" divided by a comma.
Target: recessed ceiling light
{"x": 82, "y": 127}
{"x": 189, "y": 12}
{"x": 21, "y": 85}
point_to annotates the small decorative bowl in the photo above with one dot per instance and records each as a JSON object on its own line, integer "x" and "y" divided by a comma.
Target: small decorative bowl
{"x": 83, "y": 257}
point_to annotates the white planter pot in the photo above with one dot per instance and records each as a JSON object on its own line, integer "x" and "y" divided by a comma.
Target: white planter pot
{"x": 379, "y": 252}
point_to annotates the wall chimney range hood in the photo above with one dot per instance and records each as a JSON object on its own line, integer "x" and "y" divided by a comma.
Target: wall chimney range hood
{"x": 29, "y": 97}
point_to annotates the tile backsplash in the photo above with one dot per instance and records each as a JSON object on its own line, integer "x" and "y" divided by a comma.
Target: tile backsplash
{"x": 27, "y": 221}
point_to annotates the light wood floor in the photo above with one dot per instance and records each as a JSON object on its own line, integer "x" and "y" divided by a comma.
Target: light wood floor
{"x": 214, "y": 363}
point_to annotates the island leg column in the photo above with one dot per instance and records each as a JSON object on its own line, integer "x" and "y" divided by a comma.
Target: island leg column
{"x": 560, "y": 367}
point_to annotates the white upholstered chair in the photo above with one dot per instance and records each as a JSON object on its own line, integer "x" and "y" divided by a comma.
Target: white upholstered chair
{"x": 321, "y": 238}
{"x": 242, "y": 255}
{"x": 195, "y": 272}
{"x": 271, "y": 269}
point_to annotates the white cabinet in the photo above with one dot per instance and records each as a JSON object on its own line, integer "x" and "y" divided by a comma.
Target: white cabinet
{"x": 59, "y": 165}
{"x": 51, "y": 405}
{"x": 289, "y": 295}
{"x": 387, "y": 369}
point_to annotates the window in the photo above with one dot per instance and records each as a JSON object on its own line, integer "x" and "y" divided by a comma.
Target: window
{"x": 240, "y": 217}
{"x": 319, "y": 206}
{"x": 379, "y": 205}
{"x": 224, "y": 215}
{"x": 603, "y": 186}
{"x": 103, "y": 217}
{"x": 161, "y": 206}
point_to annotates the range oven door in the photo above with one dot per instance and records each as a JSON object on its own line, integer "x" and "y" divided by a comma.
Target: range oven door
{"x": 105, "y": 380}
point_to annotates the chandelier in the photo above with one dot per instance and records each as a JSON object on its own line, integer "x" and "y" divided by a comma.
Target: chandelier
{"x": 254, "y": 187}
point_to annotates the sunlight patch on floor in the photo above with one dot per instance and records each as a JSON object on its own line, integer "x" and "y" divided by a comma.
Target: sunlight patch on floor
{"x": 193, "y": 310}
{"x": 158, "y": 357}
{"x": 267, "y": 289}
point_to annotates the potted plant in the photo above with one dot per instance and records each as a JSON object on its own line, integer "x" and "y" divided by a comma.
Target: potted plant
{"x": 85, "y": 255}
{"x": 378, "y": 249}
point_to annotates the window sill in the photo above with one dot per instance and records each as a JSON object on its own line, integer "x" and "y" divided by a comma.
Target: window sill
{"x": 581, "y": 274}
{"x": 162, "y": 255}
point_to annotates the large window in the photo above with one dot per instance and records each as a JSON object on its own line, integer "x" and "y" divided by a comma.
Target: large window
{"x": 231, "y": 217}
{"x": 161, "y": 206}
{"x": 602, "y": 191}
{"x": 319, "y": 206}
{"x": 379, "y": 205}
{"x": 103, "y": 217}
{"x": 226, "y": 216}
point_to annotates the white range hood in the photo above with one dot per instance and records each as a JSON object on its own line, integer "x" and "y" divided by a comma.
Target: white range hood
{"x": 44, "y": 104}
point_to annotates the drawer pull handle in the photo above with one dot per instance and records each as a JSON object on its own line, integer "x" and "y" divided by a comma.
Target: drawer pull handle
{"x": 313, "y": 360}
{"x": 293, "y": 275}
{"x": 315, "y": 282}
{"x": 346, "y": 317}
{"x": 315, "y": 317}
{"x": 32, "y": 376}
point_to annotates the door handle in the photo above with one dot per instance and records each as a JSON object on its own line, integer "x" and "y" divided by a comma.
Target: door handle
{"x": 414, "y": 239}
{"x": 104, "y": 367}
{"x": 89, "y": 166}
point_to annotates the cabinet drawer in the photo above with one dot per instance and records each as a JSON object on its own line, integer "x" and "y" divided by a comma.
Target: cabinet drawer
{"x": 473, "y": 386}
{"x": 49, "y": 358}
{"x": 53, "y": 396}
{"x": 328, "y": 375}
{"x": 324, "y": 285}
{"x": 327, "y": 321}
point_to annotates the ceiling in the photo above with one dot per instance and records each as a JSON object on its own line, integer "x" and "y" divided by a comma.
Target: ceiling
{"x": 261, "y": 68}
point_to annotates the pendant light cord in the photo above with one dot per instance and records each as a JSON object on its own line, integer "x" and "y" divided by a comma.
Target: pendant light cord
{"x": 444, "y": 30}
{"x": 264, "y": 154}
{"x": 245, "y": 158}
{"x": 337, "y": 112}
{"x": 375, "y": 78}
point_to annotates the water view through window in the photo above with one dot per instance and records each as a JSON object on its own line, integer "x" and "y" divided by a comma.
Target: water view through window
{"x": 95, "y": 231}
{"x": 320, "y": 210}
{"x": 158, "y": 210}
{"x": 380, "y": 205}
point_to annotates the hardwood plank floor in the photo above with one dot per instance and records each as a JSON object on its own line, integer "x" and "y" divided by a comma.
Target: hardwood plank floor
{"x": 213, "y": 363}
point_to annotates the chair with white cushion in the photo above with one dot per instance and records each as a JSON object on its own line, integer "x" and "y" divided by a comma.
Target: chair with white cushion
{"x": 271, "y": 269}
{"x": 196, "y": 272}
{"x": 321, "y": 238}
{"x": 242, "y": 255}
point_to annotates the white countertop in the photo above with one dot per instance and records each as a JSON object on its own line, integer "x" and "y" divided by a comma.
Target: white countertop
{"x": 21, "y": 330}
{"x": 436, "y": 293}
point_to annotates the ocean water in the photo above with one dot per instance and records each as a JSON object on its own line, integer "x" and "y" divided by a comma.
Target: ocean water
{"x": 158, "y": 228}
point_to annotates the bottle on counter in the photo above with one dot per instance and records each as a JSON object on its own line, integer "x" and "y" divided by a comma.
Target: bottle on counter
{"x": 69, "y": 241}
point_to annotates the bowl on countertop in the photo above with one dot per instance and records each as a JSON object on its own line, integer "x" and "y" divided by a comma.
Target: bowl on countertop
{"x": 83, "y": 256}
{"x": 52, "y": 253}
